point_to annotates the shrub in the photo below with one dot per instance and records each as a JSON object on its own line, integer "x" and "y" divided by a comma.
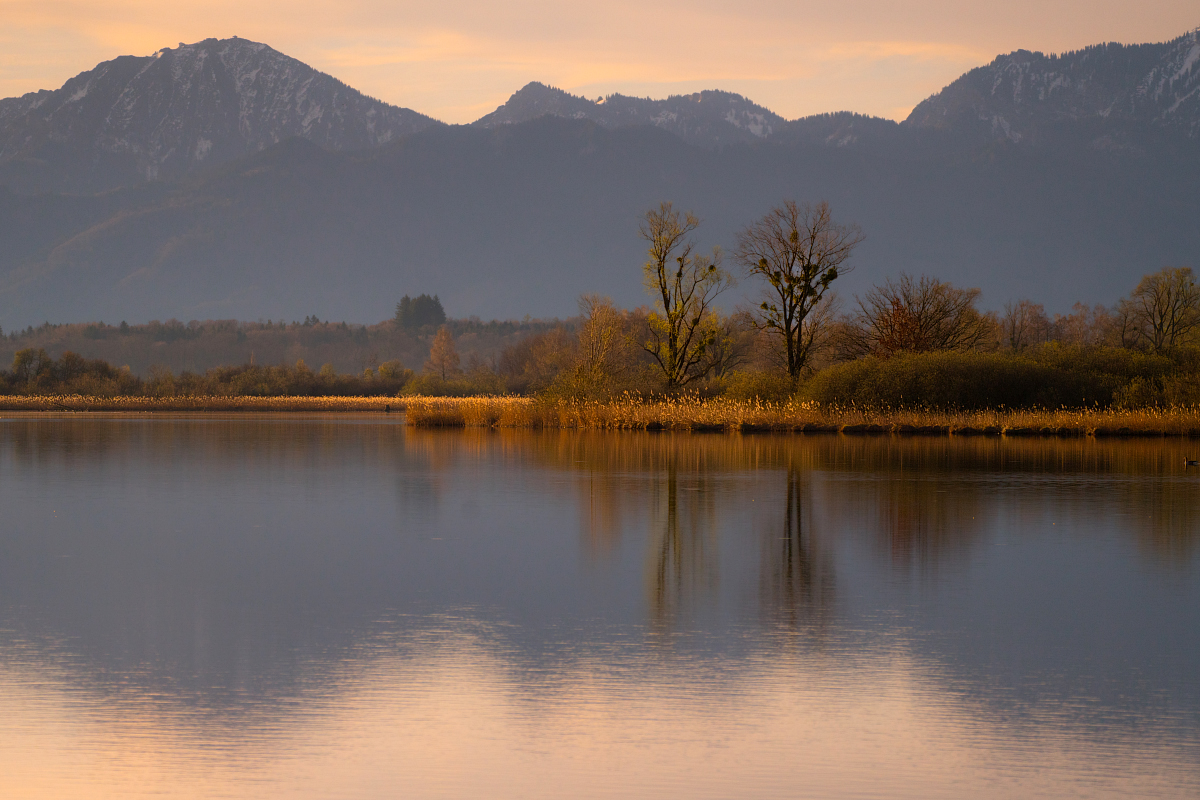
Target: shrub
{"x": 475, "y": 382}
{"x": 1051, "y": 376}
{"x": 773, "y": 385}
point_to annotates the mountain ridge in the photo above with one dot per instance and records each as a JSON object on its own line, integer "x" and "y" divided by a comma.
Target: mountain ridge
{"x": 1154, "y": 85}
{"x": 158, "y": 117}
{"x": 1018, "y": 94}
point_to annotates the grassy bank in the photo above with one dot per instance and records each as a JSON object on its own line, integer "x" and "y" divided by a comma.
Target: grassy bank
{"x": 718, "y": 414}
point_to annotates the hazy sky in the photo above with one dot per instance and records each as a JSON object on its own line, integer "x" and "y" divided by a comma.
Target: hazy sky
{"x": 458, "y": 59}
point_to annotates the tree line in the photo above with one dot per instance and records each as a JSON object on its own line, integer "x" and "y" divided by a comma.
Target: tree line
{"x": 909, "y": 340}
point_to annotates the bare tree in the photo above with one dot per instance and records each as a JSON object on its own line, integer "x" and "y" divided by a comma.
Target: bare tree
{"x": 603, "y": 355}
{"x": 799, "y": 251}
{"x": 733, "y": 341}
{"x": 533, "y": 363}
{"x": 1164, "y": 309}
{"x": 1091, "y": 325}
{"x": 684, "y": 286}
{"x": 1024, "y": 323}
{"x": 600, "y": 334}
{"x": 911, "y": 315}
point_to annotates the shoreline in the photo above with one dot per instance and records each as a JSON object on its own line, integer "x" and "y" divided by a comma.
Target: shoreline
{"x": 692, "y": 415}
{"x": 81, "y": 404}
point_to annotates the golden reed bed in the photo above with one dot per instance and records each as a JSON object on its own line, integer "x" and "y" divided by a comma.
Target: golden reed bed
{"x": 693, "y": 414}
{"x": 682, "y": 414}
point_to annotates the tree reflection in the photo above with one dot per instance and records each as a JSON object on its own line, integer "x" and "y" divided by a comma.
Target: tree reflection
{"x": 927, "y": 518}
{"x": 681, "y": 568}
{"x": 797, "y": 574}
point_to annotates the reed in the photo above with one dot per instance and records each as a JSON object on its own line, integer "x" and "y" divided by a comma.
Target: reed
{"x": 721, "y": 414}
{"x": 685, "y": 413}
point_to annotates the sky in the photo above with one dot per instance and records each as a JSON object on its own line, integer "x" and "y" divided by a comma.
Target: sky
{"x": 457, "y": 60}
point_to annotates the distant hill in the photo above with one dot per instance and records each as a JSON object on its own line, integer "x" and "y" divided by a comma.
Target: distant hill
{"x": 185, "y": 108}
{"x": 708, "y": 119}
{"x": 1086, "y": 185}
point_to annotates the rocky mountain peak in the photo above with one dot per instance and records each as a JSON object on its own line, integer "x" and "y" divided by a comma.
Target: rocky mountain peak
{"x": 185, "y": 107}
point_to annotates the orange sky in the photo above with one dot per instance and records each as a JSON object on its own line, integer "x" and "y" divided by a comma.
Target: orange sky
{"x": 458, "y": 59}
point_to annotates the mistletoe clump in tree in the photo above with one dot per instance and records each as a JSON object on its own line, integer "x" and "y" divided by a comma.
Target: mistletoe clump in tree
{"x": 799, "y": 251}
{"x": 682, "y": 326}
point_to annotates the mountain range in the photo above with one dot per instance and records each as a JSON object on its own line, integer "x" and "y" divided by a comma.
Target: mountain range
{"x": 225, "y": 179}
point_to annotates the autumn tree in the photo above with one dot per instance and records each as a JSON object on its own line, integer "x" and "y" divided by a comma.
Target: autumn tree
{"x": 443, "y": 357}
{"x": 799, "y": 251}
{"x": 684, "y": 285}
{"x": 29, "y": 363}
{"x": 1164, "y": 309}
{"x": 917, "y": 315}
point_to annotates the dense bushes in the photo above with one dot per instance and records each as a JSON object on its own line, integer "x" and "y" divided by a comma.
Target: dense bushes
{"x": 474, "y": 382}
{"x": 771, "y": 385}
{"x": 263, "y": 381}
{"x": 1051, "y": 376}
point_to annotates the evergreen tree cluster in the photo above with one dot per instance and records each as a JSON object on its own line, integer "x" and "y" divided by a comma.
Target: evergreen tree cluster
{"x": 417, "y": 312}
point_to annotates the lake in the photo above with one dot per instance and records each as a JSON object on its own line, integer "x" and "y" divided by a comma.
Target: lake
{"x": 327, "y": 607}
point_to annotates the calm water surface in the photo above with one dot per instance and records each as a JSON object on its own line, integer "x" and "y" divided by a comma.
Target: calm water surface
{"x": 341, "y": 607}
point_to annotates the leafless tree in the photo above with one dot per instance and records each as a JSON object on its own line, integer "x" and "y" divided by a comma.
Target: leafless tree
{"x": 733, "y": 342}
{"x": 600, "y": 336}
{"x": 1164, "y": 309}
{"x": 532, "y": 364}
{"x": 799, "y": 251}
{"x": 606, "y": 351}
{"x": 917, "y": 315}
{"x": 1089, "y": 325}
{"x": 1024, "y": 323}
{"x": 684, "y": 286}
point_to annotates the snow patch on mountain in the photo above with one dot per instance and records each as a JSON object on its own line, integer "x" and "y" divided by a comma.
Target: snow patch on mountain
{"x": 1125, "y": 85}
{"x": 205, "y": 102}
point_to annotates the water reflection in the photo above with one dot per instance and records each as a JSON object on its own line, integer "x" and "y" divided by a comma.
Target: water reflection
{"x": 798, "y": 577}
{"x": 240, "y": 593}
{"x": 681, "y": 566}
